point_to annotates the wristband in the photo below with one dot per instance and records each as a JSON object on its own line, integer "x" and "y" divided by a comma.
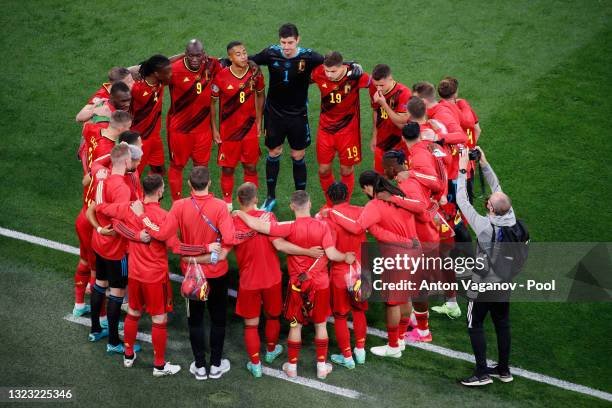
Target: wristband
{"x": 99, "y": 229}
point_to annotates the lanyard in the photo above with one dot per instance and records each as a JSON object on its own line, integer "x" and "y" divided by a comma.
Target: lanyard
{"x": 204, "y": 217}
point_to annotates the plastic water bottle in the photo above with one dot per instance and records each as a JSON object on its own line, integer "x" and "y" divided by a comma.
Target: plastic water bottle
{"x": 214, "y": 257}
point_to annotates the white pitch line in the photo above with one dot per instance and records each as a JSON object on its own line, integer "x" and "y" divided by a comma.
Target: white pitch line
{"x": 459, "y": 355}
{"x": 272, "y": 372}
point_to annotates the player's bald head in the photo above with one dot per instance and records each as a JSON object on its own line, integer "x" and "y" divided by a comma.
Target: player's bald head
{"x": 500, "y": 203}
{"x": 194, "y": 46}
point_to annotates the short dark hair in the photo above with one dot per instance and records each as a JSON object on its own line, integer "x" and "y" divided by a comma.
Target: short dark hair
{"x": 425, "y": 90}
{"x": 117, "y": 74}
{"x": 381, "y": 71}
{"x": 416, "y": 107}
{"x": 119, "y": 86}
{"x": 199, "y": 178}
{"x": 288, "y": 30}
{"x": 154, "y": 64}
{"x": 337, "y": 192}
{"x": 232, "y": 45}
{"x": 129, "y": 136}
{"x": 378, "y": 183}
{"x": 411, "y": 131}
{"x": 246, "y": 193}
{"x": 120, "y": 116}
{"x": 300, "y": 198}
{"x": 447, "y": 87}
{"x": 152, "y": 183}
{"x": 332, "y": 59}
{"x": 398, "y": 155}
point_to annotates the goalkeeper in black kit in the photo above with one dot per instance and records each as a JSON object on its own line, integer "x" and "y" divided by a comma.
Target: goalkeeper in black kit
{"x": 286, "y": 107}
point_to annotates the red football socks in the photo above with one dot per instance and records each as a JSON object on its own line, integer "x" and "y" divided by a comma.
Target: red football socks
{"x": 81, "y": 278}
{"x": 321, "y": 346}
{"x": 293, "y": 351}
{"x": 343, "y": 337}
{"x": 175, "y": 179}
{"x": 360, "y": 327}
{"x": 227, "y": 186}
{"x": 350, "y": 183}
{"x": 403, "y": 326}
{"x": 159, "y": 336}
{"x": 251, "y": 340}
{"x": 251, "y": 177}
{"x": 393, "y": 335}
{"x": 326, "y": 181}
{"x": 130, "y": 329}
{"x": 272, "y": 333}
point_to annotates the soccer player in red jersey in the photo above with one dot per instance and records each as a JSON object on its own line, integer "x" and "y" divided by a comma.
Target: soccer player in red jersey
{"x": 427, "y": 232}
{"x": 260, "y": 279}
{"x": 110, "y": 250}
{"x": 148, "y": 283}
{"x": 240, "y": 95}
{"x": 308, "y": 293}
{"x": 448, "y": 92}
{"x": 188, "y": 121}
{"x": 146, "y": 108}
{"x": 120, "y": 99}
{"x": 339, "y": 121}
{"x": 342, "y": 302}
{"x": 201, "y": 219}
{"x": 100, "y": 138}
{"x": 389, "y": 99}
{"x": 401, "y": 223}
{"x": 114, "y": 75}
{"x": 454, "y": 138}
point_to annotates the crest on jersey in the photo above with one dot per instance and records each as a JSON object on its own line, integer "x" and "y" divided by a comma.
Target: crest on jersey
{"x": 347, "y": 89}
{"x": 230, "y": 86}
{"x": 251, "y": 84}
{"x": 301, "y": 65}
{"x": 186, "y": 79}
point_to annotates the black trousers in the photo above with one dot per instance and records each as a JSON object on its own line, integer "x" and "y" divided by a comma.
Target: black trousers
{"x": 500, "y": 313}
{"x": 217, "y": 310}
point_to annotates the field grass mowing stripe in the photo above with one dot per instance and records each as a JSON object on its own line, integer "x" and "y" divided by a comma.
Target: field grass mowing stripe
{"x": 371, "y": 331}
{"x": 272, "y": 372}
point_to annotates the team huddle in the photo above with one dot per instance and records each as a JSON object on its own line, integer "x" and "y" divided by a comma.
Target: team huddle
{"x": 419, "y": 135}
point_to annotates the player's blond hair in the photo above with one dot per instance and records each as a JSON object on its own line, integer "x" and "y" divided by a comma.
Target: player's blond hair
{"x": 120, "y": 152}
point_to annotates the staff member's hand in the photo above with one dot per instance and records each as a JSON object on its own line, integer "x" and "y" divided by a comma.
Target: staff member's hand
{"x": 464, "y": 159}
{"x": 483, "y": 159}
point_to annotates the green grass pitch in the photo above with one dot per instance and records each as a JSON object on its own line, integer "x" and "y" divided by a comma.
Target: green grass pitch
{"x": 536, "y": 72}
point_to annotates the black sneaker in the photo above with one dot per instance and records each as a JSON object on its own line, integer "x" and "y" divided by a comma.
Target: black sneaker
{"x": 503, "y": 376}
{"x": 477, "y": 380}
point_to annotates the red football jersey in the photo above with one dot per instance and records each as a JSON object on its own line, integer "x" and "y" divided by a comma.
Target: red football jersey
{"x": 468, "y": 121}
{"x": 257, "y": 258}
{"x": 190, "y": 96}
{"x": 306, "y": 232}
{"x": 339, "y": 100}
{"x": 110, "y": 190}
{"x": 389, "y": 217}
{"x": 146, "y": 108}
{"x": 237, "y": 103}
{"x": 102, "y": 93}
{"x": 96, "y": 145}
{"x": 345, "y": 241}
{"x": 98, "y": 172}
{"x": 388, "y": 135}
{"x": 148, "y": 262}
{"x": 189, "y": 216}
